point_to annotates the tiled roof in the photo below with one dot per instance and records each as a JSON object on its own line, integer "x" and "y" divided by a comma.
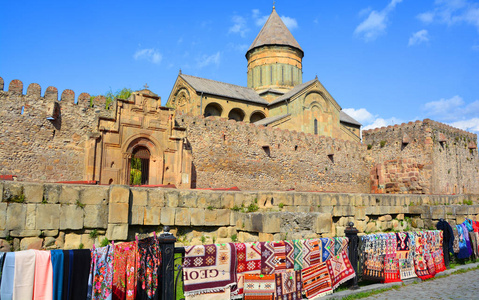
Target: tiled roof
{"x": 212, "y": 87}
{"x": 270, "y": 120}
{"x": 344, "y": 117}
{"x": 292, "y": 92}
{"x": 274, "y": 32}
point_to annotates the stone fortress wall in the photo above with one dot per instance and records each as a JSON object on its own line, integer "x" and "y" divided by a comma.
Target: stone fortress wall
{"x": 71, "y": 216}
{"x": 37, "y": 149}
{"x": 423, "y": 157}
{"x": 229, "y": 153}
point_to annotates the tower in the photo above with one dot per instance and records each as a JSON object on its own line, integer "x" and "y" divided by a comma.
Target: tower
{"x": 274, "y": 58}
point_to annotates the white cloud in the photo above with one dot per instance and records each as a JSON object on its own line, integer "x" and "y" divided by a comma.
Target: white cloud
{"x": 380, "y": 122}
{"x": 361, "y": 115}
{"x": 452, "y": 12}
{"x": 291, "y": 23}
{"x": 469, "y": 125}
{"x": 418, "y": 37}
{"x": 444, "y": 108}
{"x": 239, "y": 26}
{"x": 207, "y": 60}
{"x": 376, "y": 22}
{"x": 475, "y": 47}
{"x": 151, "y": 55}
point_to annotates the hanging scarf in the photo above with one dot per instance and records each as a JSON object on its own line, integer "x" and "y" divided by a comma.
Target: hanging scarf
{"x": 125, "y": 277}
{"x": 24, "y": 274}
{"x": 148, "y": 266}
{"x": 463, "y": 248}
{"x": 101, "y": 273}
{"x": 57, "y": 268}
{"x": 43, "y": 282}
{"x": 80, "y": 262}
{"x": 455, "y": 245}
{"x": 8, "y": 274}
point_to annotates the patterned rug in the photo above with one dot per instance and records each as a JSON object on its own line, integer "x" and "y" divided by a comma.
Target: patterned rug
{"x": 340, "y": 244}
{"x": 391, "y": 262}
{"x": 327, "y": 249}
{"x": 298, "y": 255}
{"x": 288, "y": 285}
{"x": 289, "y": 249}
{"x": 420, "y": 263}
{"x": 259, "y": 287}
{"x": 340, "y": 269}
{"x": 249, "y": 262}
{"x": 268, "y": 262}
{"x": 316, "y": 281}
{"x": 312, "y": 252}
{"x": 209, "y": 268}
{"x": 279, "y": 256}
{"x": 403, "y": 254}
{"x": 373, "y": 258}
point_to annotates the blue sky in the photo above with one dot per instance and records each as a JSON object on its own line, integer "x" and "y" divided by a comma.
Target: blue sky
{"x": 384, "y": 62}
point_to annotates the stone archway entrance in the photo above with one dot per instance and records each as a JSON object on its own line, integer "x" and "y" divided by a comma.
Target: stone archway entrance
{"x": 140, "y": 166}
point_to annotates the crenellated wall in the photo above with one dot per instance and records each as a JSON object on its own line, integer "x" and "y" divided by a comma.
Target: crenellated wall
{"x": 423, "y": 157}
{"x": 49, "y": 215}
{"x": 43, "y": 138}
{"x": 229, "y": 153}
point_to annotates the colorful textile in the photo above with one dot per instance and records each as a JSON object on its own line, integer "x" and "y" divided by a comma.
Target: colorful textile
{"x": 316, "y": 281}
{"x": 259, "y": 287}
{"x": 462, "y": 240}
{"x": 391, "y": 262}
{"x": 404, "y": 257}
{"x": 448, "y": 235}
{"x": 249, "y": 262}
{"x": 43, "y": 278}
{"x": 373, "y": 258}
{"x": 455, "y": 243}
{"x": 101, "y": 273}
{"x": 340, "y": 269}
{"x": 209, "y": 268}
{"x": 268, "y": 261}
{"x": 148, "y": 264}
{"x": 24, "y": 274}
{"x": 279, "y": 256}
{"x": 327, "y": 249}
{"x": 289, "y": 250}
{"x": 80, "y": 271}
{"x": 340, "y": 244}
{"x": 125, "y": 257}
{"x": 298, "y": 255}
{"x": 312, "y": 252}
{"x": 8, "y": 274}
{"x": 420, "y": 262}
{"x": 288, "y": 285}
{"x": 57, "y": 268}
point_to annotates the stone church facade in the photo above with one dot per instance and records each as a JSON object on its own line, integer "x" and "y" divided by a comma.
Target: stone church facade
{"x": 276, "y": 95}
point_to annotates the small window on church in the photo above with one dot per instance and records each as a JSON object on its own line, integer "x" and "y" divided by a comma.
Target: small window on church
{"x": 271, "y": 74}
{"x": 315, "y": 126}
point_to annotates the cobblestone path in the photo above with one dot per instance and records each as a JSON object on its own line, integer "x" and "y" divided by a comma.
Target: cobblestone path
{"x": 458, "y": 286}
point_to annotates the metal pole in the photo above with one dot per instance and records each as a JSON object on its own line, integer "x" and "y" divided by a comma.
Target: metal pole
{"x": 167, "y": 241}
{"x": 352, "y": 234}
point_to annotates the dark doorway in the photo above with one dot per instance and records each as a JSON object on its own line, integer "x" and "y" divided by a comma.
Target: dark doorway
{"x": 140, "y": 166}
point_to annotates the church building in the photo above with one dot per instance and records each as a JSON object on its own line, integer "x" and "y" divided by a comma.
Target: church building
{"x": 275, "y": 95}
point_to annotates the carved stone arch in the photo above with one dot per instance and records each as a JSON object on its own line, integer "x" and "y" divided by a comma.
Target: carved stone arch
{"x": 156, "y": 161}
{"x": 316, "y": 97}
{"x": 213, "y": 109}
{"x": 182, "y": 97}
{"x": 256, "y": 116}
{"x": 236, "y": 114}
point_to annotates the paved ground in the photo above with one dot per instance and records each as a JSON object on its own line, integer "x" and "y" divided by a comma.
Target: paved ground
{"x": 445, "y": 286}
{"x": 458, "y": 286}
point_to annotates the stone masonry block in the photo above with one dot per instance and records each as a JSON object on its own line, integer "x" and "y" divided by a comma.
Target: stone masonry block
{"x": 48, "y": 216}
{"x": 118, "y": 213}
{"x": 245, "y": 198}
{"x": 197, "y": 216}
{"x": 344, "y": 200}
{"x": 438, "y": 212}
{"x": 69, "y": 194}
{"x": 168, "y": 216}
{"x": 228, "y": 200}
{"x": 360, "y": 212}
{"x": 156, "y": 197}
{"x": 283, "y": 197}
{"x": 208, "y": 199}
{"x": 301, "y": 199}
{"x": 339, "y": 211}
{"x": 223, "y": 217}
{"x": 31, "y": 217}
{"x": 119, "y": 194}
{"x": 3, "y": 216}
{"x": 16, "y": 213}
{"x": 33, "y": 192}
{"x": 117, "y": 232}
{"x": 325, "y": 199}
{"x": 171, "y": 198}
{"x": 139, "y": 196}
{"x": 265, "y": 200}
{"x": 272, "y": 222}
{"x": 182, "y": 217}
{"x": 187, "y": 199}
{"x": 71, "y": 217}
{"x": 72, "y": 241}
{"x": 94, "y": 194}
{"x": 96, "y": 216}
{"x": 137, "y": 215}
{"x": 462, "y": 210}
{"x": 51, "y": 192}
{"x": 12, "y": 189}
{"x": 152, "y": 215}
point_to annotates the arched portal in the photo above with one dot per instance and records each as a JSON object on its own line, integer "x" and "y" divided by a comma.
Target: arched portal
{"x": 140, "y": 166}
{"x": 236, "y": 114}
{"x": 213, "y": 109}
{"x": 256, "y": 116}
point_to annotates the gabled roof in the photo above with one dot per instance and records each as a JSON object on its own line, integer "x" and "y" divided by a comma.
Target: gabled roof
{"x": 269, "y": 120}
{"x": 212, "y": 87}
{"x": 345, "y": 118}
{"x": 274, "y": 32}
{"x": 292, "y": 92}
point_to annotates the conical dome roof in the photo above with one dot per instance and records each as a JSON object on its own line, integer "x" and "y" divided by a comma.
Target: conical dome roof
{"x": 274, "y": 32}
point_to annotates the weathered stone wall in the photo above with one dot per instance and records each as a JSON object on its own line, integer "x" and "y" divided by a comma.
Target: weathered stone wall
{"x": 423, "y": 157}
{"x": 38, "y": 149}
{"x": 228, "y": 153}
{"x": 71, "y": 216}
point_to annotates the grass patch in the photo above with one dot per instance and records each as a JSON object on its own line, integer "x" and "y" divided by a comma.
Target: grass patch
{"x": 79, "y": 204}
{"x": 370, "y": 293}
{"x": 104, "y": 242}
{"x": 179, "y": 291}
{"x": 93, "y": 233}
